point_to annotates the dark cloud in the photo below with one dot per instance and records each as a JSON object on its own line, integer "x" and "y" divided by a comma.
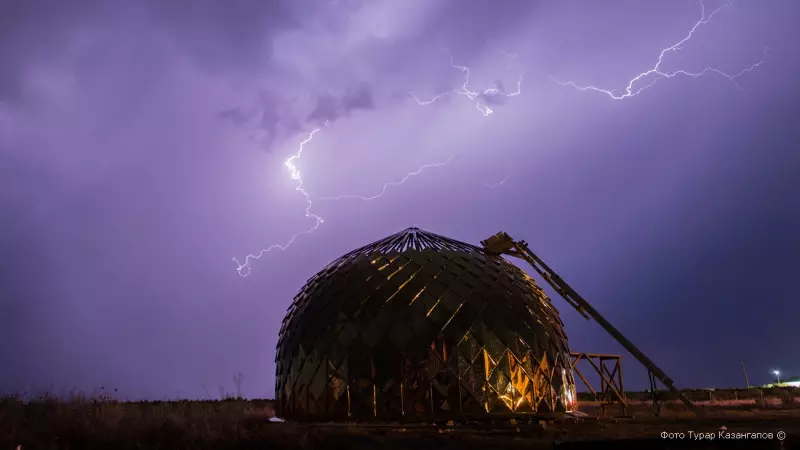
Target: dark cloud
{"x": 269, "y": 114}
{"x": 330, "y": 108}
{"x": 276, "y": 118}
{"x": 359, "y": 98}
{"x": 231, "y": 36}
{"x": 236, "y": 115}
{"x": 220, "y": 35}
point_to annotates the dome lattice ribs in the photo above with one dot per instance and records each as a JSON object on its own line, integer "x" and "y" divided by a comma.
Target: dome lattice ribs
{"x": 417, "y": 326}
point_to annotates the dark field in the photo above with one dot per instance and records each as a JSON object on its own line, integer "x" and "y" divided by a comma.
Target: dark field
{"x": 93, "y": 424}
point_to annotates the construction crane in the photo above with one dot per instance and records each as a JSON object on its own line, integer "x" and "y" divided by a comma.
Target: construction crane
{"x": 502, "y": 244}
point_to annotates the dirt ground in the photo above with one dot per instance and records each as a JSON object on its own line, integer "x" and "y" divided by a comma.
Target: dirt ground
{"x": 90, "y": 424}
{"x": 715, "y": 429}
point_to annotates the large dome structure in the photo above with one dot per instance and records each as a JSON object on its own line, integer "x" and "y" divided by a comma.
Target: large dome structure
{"x": 420, "y": 327}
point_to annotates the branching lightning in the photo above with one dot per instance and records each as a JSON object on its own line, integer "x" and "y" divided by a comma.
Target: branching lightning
{"x": 497, "y": 183}
{"x": 637, "y": 84}
{"x": 392, "y": 183}
{"x": 244, "y": 267}
{"x": 481, "y": 98}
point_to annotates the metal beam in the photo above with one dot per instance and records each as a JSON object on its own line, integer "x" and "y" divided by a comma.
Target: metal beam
{"x": 502, "y": 243}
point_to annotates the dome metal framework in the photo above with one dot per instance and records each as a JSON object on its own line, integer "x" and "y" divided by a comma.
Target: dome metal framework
{"x": 420, "y": 327}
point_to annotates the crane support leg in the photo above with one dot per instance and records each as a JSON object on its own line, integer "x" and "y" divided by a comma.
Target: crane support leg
{"x": 502, "y": 244}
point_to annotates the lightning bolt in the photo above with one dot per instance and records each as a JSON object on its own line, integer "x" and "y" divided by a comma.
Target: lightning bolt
{"x": 636, "y": 86}
{"x": 498, "y": 183}
{"x": 481, "y": 98}
{"x": 392, "y": 183}
{"x": 244, "y": 268}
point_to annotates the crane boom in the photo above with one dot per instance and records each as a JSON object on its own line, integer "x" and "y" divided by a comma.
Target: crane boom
{"x": 502, "y": 243}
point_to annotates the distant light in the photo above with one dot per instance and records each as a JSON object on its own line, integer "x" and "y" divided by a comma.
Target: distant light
{"x": 777, "y": 373}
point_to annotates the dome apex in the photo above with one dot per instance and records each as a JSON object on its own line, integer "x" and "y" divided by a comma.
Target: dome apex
{"x": 418, "y": 326}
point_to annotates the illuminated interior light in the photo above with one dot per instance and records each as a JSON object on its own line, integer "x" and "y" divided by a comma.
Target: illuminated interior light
{"x": 428, "y": 314}
{"x": 507, "y": 378}
{"x": 417, "y": 295}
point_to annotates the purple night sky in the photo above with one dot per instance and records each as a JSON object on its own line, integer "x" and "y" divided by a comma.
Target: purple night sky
{"x": 142, "y": 147}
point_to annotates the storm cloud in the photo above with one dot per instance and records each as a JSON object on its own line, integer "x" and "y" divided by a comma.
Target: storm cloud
{"x": 142, "y": 148}
{"x": 330, "y": 108}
